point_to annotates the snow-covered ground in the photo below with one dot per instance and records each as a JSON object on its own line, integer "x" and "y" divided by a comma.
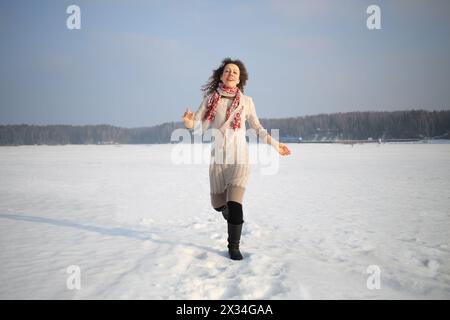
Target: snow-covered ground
{"x": 140, "y": 227}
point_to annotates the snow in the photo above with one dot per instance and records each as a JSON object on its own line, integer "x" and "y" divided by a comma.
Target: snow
{"x": 139, "y": 226}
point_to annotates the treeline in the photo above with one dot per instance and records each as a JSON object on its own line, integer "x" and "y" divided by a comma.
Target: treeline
{"x": 414, "y": 124}
{"x": 91, "y": 134}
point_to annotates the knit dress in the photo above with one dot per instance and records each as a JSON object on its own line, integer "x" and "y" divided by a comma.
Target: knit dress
{"x": 229, "y": 168}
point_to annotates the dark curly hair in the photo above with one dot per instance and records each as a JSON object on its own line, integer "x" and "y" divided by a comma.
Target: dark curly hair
{"x": 214, "y": 80}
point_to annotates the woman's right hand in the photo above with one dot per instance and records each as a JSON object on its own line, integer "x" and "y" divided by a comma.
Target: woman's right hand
{"x": 188, "y": 115}
{"x": 188, "y": 118}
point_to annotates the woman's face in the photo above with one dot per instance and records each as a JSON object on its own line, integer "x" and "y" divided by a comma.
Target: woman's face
{"x": 230, "y": 75}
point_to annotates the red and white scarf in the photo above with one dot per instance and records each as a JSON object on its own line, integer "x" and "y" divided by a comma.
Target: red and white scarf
{"x": 213, "y": 101}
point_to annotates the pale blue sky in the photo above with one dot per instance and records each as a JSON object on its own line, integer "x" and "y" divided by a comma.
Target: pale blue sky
{"x": 141, "y": 63}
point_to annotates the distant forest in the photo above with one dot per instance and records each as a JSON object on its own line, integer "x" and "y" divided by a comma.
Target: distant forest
{"x": 413, "y": 124}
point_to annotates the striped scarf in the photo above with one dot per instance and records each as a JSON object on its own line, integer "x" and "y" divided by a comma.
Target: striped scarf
{"x": 213, "y": 101}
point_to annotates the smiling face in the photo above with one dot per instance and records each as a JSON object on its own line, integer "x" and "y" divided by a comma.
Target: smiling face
{"x": 230, "y": 75}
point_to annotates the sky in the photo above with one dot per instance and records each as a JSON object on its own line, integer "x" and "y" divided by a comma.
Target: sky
{"x": 140, "y": 63}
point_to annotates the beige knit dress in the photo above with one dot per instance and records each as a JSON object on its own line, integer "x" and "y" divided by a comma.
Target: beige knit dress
{"x": 229, "y": 169}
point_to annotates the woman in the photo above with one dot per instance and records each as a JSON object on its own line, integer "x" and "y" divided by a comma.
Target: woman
{"x": 225, "y": 109}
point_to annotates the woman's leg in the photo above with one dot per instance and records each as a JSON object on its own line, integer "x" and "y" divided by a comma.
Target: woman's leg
{"x": 235, "y": 193}
{"x": 219, "y": 200}
{"x": 235, "y": 213}
{"x": 224, "y": 210}
{"x": 235, "y": 222}
{"x": 219, "y": 209}
{"x": 232, "y": 193}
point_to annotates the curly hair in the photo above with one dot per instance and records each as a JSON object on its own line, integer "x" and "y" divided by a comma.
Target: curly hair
{"x": 214, "y": 80}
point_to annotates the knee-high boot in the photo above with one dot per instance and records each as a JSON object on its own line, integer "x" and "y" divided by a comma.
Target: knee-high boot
{"x": 224, "y": 210}
{"x": 225, "y": 213}
{"x": 234, "y": 237}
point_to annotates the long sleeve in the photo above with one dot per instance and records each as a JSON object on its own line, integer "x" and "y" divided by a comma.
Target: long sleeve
{"x": 262, "y": 133}
{"x": 199, "y": 124}
{"x": 200, "y": 113}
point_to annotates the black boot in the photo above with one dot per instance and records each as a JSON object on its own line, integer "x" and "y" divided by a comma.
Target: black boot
{"x": 224, "y": 210}
{"x": 234, "y": 237}
{"x": 225, "y": 213}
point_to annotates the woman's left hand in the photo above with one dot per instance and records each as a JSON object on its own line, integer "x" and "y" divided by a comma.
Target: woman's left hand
{"x": 283, "y": 149}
